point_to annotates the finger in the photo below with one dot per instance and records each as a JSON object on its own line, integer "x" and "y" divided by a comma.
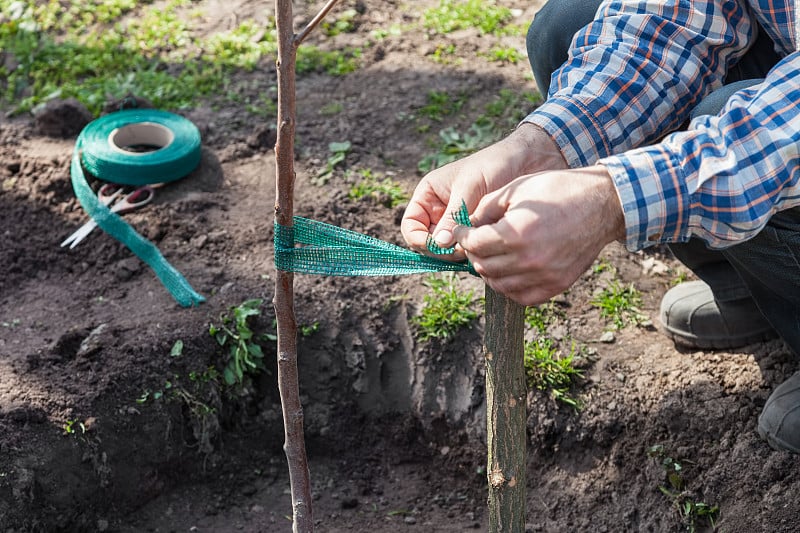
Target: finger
{"x": 485, "y": 241}
{"x": 443, "y": 234}
{"x": 491, "y": 208}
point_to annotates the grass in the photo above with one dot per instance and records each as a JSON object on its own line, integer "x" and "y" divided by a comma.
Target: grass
{"x": 102, "y": 50}
{"x": 453, "y": 15}
{"x": 445, "y": 310}
{"x": 441, "y": 104}
{"x": 387, "y": 191}
{"x": 547, "y": 369}
{"x": 693, "y": 514}
{"x": 500, "y": 115}
{"x": 620, "y": 304}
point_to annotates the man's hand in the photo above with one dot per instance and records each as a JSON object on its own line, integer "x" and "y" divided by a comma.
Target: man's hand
{"x": 528, "y": 149}
{"x": 534, "y": 237}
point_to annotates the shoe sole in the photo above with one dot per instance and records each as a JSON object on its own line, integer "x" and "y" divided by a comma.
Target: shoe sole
{"x": 715, "y": 343}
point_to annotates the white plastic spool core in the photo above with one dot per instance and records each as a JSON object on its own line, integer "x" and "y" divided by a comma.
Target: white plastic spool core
{"x": 140, "y": 138}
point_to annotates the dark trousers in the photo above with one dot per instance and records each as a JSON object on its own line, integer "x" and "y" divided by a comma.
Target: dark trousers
{"x": 766, "y": 267}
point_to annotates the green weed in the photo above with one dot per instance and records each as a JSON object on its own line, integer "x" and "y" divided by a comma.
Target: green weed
{"x": 444, "y": 54}
{"x": 336, "y": 62}
{"x": 441, "y": 104}
{"x": 539, "y": 317}
{"x": 452, "y": 15}
{"x": 548, "y": 370}
{"x": 505, "y": 54}
{"x": 71, "y": 427}
{"x": 245, "y": 355}
{"x": 344, "y": 22}
{"x": 454, "y": 145}
{"x": 693, "y": 514}
{"x": 390, "y": 193}
{"x": 620, "y": 304}
{"x": 445, "y": 309}
{"x": 339, "y": 152}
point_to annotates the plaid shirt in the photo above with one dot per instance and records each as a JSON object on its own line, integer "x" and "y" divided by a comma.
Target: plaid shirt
{"x": 636, "y": 72}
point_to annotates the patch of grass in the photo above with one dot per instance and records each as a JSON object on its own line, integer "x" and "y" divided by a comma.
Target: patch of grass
{"x": 549, "y": 370}
{"x": 539, "y": 317}
{"x": 245, "y": 355}
{"x": 441, "y": 104}
{"x": 620, "y": 304}
{"x": 389, "y": 192}
{"x": 452, "y": 15}
{"x": 505, "y": 54}
{"x": 343, "y": 22}
{"x": 445, "y": 310}
{"x": 332, "y": 108}
{"x": 693, "y": 514}
{"x": 336, "y": 62}
{"x": 445, "y": 54}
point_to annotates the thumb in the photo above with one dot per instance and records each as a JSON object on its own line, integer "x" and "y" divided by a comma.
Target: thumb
{"x": 443, "y": 234}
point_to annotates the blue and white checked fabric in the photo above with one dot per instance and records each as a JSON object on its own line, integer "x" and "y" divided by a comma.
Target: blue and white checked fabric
{"x": 636, "y": 72}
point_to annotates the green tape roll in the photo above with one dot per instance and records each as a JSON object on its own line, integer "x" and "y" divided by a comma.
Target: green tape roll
{"x": 101, "y": 150}
{"x": 105, "y": 141}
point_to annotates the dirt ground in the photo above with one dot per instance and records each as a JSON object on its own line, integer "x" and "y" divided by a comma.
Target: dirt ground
{"x": 93, "y": 436}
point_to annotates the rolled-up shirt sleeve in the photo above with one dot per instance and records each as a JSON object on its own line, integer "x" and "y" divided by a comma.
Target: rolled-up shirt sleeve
{"x": 725, "y": 176}
{"x": 637, "y": 71}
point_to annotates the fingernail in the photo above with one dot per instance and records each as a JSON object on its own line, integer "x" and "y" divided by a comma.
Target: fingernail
{"x": 443, "y": 238}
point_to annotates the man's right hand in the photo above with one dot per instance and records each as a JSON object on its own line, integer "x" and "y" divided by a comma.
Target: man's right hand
{"x": 527, "y": 150}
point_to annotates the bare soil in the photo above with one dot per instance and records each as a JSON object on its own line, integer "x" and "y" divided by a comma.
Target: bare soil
{"x": 394, "y": 426}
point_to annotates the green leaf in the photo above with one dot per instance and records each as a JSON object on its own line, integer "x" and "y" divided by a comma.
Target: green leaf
{"x": 177, "y": 348}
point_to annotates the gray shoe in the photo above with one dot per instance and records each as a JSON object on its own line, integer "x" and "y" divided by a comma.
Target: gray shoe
{"x": 779, "y": 422}
{"x": 691, "y": 317}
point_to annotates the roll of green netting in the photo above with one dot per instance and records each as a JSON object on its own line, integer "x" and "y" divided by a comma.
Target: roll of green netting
{"x": 313, "y": 247}
{"x": 137, "y": 147}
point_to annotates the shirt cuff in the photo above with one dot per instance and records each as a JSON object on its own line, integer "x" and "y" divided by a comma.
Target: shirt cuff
{"x": 581, "y": 138}
{"x": 652, "y": 190}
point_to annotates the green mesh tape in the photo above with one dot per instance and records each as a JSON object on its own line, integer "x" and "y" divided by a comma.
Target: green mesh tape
{"x": 462, "y": 219}
{"x": 313, "y": 247}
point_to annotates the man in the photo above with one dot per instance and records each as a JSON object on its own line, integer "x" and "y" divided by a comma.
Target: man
{"x": 666, "y": 121}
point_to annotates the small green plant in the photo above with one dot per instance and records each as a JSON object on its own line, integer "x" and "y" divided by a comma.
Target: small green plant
{"x": 343, "y": 23}
{"x": 539, "y": 317}
{"x": 548, "y": 370}
{"x": 388, "y": 191}
{"x": 331, "y": 108}
{"x": 441, "y": 104}
{"x": 452, "y": 15}
{"x": 693, "y": 514}
{"x": 177, "y": 349}
{"x": 306, "y": 330}
{"x": 245, "y": 355}
{"x": 445, "y": 309}
{"x": 620, "y": 304}
{"x": 71, "y": 427}
{"x": 445, "y": 54}
{"x": 454, "y": 145}
{"x": 505, "y": 54}
{"x": 335, "y": 62}
{"x": 339, "y": 152}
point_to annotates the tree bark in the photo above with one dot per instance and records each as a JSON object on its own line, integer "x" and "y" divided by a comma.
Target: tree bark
{"x": 505, "y": 413}
{"x": 288, "y": 382}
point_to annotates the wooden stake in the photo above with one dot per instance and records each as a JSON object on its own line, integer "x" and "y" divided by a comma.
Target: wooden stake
{"x": 505, "y": 413}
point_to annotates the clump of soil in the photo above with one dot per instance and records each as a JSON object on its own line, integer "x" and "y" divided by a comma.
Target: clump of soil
{"x": 104, "y": 427}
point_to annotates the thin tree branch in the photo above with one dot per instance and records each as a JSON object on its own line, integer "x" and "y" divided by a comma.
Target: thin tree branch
{"x": 288, "y": 380}
{"x": 300, "y": 37}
